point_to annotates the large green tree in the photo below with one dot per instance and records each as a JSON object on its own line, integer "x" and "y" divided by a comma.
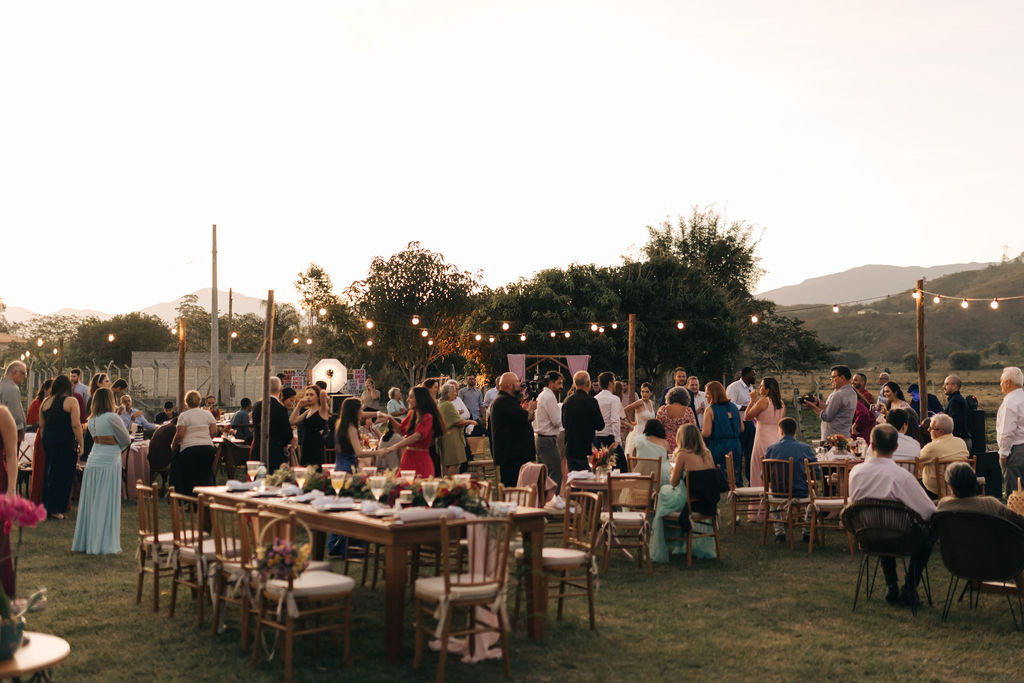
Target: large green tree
{"x": 420, "y": 282}
{"x": 132, "y": 332}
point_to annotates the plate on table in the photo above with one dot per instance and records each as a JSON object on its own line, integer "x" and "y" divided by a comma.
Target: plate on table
{"x": 334, "y": 506}
{"x": 267, "y": 493}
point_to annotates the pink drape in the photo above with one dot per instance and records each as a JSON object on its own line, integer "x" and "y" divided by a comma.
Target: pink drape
{"x": 517, "y": 364}
{"x": 577, "y": 363}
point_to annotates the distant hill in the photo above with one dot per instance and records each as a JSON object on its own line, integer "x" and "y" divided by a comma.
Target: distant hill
{"x": 165, "y": 311}
{"x": 863, "y": 282}
{"x": 886, "y": 330}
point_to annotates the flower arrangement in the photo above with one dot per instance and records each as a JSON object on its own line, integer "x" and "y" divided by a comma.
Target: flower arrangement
{"x": 17, "y": 510}
{"x": 283, "y": 475}
{"x": 602, "y": 457}
{"x": 838, "y": 442}
{"x": 317, "y": 480}
{"x": 281, "y": 559}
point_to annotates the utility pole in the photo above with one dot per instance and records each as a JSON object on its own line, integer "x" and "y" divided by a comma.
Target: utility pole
{"x": 231, "y": 328}
{"x": 631, "y": 358}
{"x": 922, "y": 371}
{"x": 214, "y": 331}
{"x": 268, "y": 343}
{"x": 181, "y": 365}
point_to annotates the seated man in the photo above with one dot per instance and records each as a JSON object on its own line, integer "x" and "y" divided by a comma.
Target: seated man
{"x": 788, "y": 448}
{"x": 879, "y": 477}
{"x": 943, "y": 448}
{"x": 908, "y": 448}
{"x": 211, "y": 405}
{"x": 130, "y": 415}
{"x": 241, "y": 422}
{"x": 167, "y": 414}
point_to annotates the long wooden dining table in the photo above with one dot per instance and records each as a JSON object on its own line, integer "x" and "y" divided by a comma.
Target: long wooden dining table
{"x": 397, "y": 538}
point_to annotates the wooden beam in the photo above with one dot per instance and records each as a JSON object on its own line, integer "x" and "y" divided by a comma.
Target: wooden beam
{"x": 268, "y": 342}
{"x": 922, "y": 370}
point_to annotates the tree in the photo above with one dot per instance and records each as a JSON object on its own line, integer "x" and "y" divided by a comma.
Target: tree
{"x": 415, "y": 281}
{"x": 315, "y": 289}
{"x": 5, "y": 326}
{"x": 725, "y": 251}
{"x": 964, "y": 360}
{"x": 132, "y": 332}
{"x": 778, "y": 344}
{"x": 910, "y": 361}
{"x": 197, "y": 323}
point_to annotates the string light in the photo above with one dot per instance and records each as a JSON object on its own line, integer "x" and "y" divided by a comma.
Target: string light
{"x": 369, "y": 342}
{"x": 835, "y": 308}
{"x": 964, "y": 304}
{"x": 916, "y": 294}
{"x": 23, "y": 356}
{"x": 491, "y": 339}
{"x": 309, "y": 341}
{"x": 937, "y": 299}
{"x": 615, "y": 326}
{"x": 522, "y": 337}
{"x": 39, "y": 342}
{"x": 430, "y": 342}
{"x": 174, "y": 330}
{"x": 234, "y": 335}
{"x": 415, "y": 320}
{"x": 601, "y": 330}
{"x": 322, "y": 311}
{"x": 369, "y": 324}
{"x": 110, "y": 337}
{"x": 505, "y": 326}
{"x": 754, "y": 319}
{"x": 552, "y": 335}
{"x": 593, "y": 327}
{"x": 995, "y": 304}
{"x": 295, "y": 340}
{"x": 28, "y": 353}
{"x": 478, "y": 337}
{"x": 55, "y": 352}
{"x": 680, "y": 325}
{"x": 424, "y": 333}
{"x": 567, "y": 334}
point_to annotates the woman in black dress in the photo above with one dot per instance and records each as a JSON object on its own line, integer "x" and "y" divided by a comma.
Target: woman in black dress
{"x": 61, "y": 427}
{"x": 310, "y": 415}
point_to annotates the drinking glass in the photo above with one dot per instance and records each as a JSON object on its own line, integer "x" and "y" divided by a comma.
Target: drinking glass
{"x": 251, "y": 468}
{"x": 463, "y": 479}
{"x": 430, "y": 490}
{"x": 377, "y": 485}
{"x": 300, "y": 476}
{"x": 337, "y": 479}
{"x": 368, "y": 471}
{"x": 408, "y": 475}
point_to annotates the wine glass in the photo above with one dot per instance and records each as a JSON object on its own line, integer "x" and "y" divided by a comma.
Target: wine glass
{"x": 251, "y": 468}
{"x": 408, "y": 475}
{"x": 368, "y": 471}
{"x": 300, "y": 476}
{"x": 430, "y": 490}
{"x": 337, "y": 479}
{"x": 377, "y": 483}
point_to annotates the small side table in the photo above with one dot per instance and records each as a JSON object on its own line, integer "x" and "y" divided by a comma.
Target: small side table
{"x": 36, "y": 657}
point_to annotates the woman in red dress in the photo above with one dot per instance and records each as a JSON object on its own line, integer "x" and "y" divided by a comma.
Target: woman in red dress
{"x": 420, "y": 427}
{"x": 35, "y": 482}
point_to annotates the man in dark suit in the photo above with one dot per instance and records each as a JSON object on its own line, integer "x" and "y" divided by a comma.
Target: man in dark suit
{"x": 581, "y": 418}
{"x": 511, "y": 430}
{"x": 280, "y": 428}
{"x": 956, "y": 408}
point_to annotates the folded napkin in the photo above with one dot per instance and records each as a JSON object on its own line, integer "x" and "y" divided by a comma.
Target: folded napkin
{"x": 370, "y": 507}
{"x": 235, "y": 485}
{"x": 580, "y": 474}
{"x": 328, "y": 501}
{"x": 311, "y": 496}
{"x": 290, "y": 490}
{"x": 500, "y": 508}
{"x": 557, "y": 503}
{"x": 419, "y": 514}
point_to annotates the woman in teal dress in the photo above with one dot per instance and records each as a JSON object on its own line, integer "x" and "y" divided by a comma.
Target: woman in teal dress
{"x": 691, "y": 456}
{"x": 98, "y": 530}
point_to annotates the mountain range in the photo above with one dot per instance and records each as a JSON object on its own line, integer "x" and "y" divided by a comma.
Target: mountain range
{"x": 166, "y": 311}
{"x": 864, "y": 282}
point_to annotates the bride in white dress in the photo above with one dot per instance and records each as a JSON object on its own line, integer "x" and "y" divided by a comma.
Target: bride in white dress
{"x": 643, "y": 411}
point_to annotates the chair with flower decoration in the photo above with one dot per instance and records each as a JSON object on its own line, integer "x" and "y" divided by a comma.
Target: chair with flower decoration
{"x": 291, "y": 602}
{"x": 479, "y": 592}
{"x": 233, "y": 577}
{"x": 154, "y": 547}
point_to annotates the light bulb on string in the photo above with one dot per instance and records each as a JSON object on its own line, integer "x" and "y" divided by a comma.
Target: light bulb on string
{"x": 600, "y": 330}
{"x": 234, "y": 335}
{"x": 39, "y": 342}
{"x": 615, "y": 326}
{"x": 424, "y": 333}
{"x": 369, "y": 324}
{"x": 174, "y": 330}
{"x": 295, "y": 340}
{"x": 110, "y": 337}
{"x": 478, "y": 337}
{"x": 28, "y": 353}
{"x": 937, "y": 299}
{"x": 754, "y": 319}
{"x": 916, "y": 294}
{"x": 835, "y": 308}
{"x": 522, "y": 337}
{"x": 55, "y": 352}
{"x": 995, "y": 304}
{"x": 505, "y": 326}
{"x": 415, "y": 320}
{"x": 430, "y": 342}
{"x": 567, "y": 334}
{"x": 369, "y": 342}
{"x": 322, "y": 312}
{"x": 491, "y": 339}
{"x": 964, "y": 304}
{"x": 593, "y": 327}
{"x": 680, "y": 325}
{"x": 552, "y": 335}
{"x": 309, "y": 340}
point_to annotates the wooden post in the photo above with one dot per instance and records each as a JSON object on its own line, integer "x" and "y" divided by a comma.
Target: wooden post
{"x": 231, "y": 326}
{"x": 214, "y": 328}
{"x": 631, "y": 359}
{"x": 60, "y": 356}
{"x": 268, "y": 341}
{"x": 181, "y": 365}
{"x": 922, "y": 370}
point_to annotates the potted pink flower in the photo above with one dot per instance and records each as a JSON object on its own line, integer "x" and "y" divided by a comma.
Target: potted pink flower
{"x": 15, "y": 510}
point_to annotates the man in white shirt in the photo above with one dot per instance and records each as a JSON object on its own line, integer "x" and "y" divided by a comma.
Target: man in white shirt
{"x": 879, "y": 477}
{"x": 739, "y": 393}
{"x": 547, "y": 422}
{"x": 698, "y": 400}
{"x": 610, "y": 408}
{"x": 489, "y": 397}
{"x": 908, "y": 447}
{"x": 1010, "y": 427}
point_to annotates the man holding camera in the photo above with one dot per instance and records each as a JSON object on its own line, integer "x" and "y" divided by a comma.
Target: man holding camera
{"x": 838, "y": 411}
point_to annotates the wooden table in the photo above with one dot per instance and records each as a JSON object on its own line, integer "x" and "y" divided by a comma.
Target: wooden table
{"x": 39, "y": 653}
{"x": 397, "y": 539}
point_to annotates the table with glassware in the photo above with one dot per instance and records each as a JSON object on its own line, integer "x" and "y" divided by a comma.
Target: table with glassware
{"x": 396, "y": 537}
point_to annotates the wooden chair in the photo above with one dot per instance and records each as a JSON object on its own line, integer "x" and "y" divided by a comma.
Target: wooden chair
{"x": 697, "y": 518}
{"x": 314, "y": 602}
{"x": 630, "y": 525}
{"x": 646, "y": 466}
{"x": 829, "y": 487}
{"x": 234, "y": 544}
{"x": 477, "y": 446}
{"x": 581, "y": 524}
{"x": 780, "y": 505}
{"x": 742, "y": 499}
{"x": 154, "y": 547}
{"x": 483, "y": 586}
{"x": 193, "y": 550}
{"x": 523, "y": 496}
{"x": 911, "y": 466}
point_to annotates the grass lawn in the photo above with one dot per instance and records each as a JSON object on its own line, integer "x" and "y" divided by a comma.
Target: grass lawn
{"x": 764, "y": 612}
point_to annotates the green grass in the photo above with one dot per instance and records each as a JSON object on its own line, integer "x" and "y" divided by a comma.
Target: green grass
{"x": 764, "y": 612}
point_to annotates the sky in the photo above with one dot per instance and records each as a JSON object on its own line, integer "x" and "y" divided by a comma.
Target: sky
{"x": 509, "y": 136}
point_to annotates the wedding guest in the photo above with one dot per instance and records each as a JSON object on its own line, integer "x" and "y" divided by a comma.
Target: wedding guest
{"x": 35, "y": 483}
{"x": 581, "y": 418}
{"x": 675, "y": 413}
{"x": 944, "y": 448}
{"x": 348, "y": 445}
{"x": 396, "y": 407}
{"x": 130, "y": 415}
{"x": 77, "y": 386}
{"x": 61, "y": 429}
{"x": 119, "y": 387}
{"x": 241, "y": 421}
{"x": 211, "y": 406}
{"x": 678, "y": 380}
{"x": 167, "y": 414}
{"x": 10, "y": 394}
{"x": 8, "y": 485}
{"x": 98, "y": 527}
{"x": 370, "y": 396}
{"x": 722, "y": 428}
{"x": 310, "y": 415}
{"x": 698, "y": 400}
{"x": 739, "y": 392}
{"x": 766, "y": 408}
{"x": 642, "y": 411}
{"x": 693, "y": 460}
{"x": 474, "y": 400}
{"x": 193, "y": 436}
{"x": 452, "y": 444}
{"x": 1010, "y": 427}
{"x": 421, "y": 426}
{"x": 280, "y": 428}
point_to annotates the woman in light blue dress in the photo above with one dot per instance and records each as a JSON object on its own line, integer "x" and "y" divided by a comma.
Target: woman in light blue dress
{"x": 691, "y": 456}
{"x": 98, "y": 530}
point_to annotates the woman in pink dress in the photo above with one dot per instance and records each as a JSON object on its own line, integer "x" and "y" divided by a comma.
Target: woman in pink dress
{"x": 766, "y": 408}
{"x": 675, "y": 413}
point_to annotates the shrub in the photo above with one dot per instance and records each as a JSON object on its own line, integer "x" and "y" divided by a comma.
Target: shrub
{"x": 964, "y": 360}
{"x": 910, "y": 361}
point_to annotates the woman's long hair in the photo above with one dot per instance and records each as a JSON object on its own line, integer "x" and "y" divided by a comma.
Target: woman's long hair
{"x": 896, "y": 391}
{"x": 688, "y": 438}
{"x": 61, "y": 387}
{"x": 425, "y": 405}
{"x": 102, "y": 402}
{"x": 715, "y": 393}
{"x": 774, "y": 391}
{"x": 351, "y": 408}
{"x": 41, "y": 394}
{"x": 94, "y": 383}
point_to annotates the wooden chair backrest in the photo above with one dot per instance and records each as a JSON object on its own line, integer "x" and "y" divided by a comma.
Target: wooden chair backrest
{"x": 646, "y": 466}
{"x": 269, "y": 527}
{"x": 582, "y": 521}
{"x": 149, "y": 514}
{"x": 484, "y": 487}
{"x": 488, "y": 569}
{"x": 828, "y": 480}
{"x": 186, "y": 520}
{"x": 631, "y": 492}
{"x": 909, "y": 465}
{"x": 777, "y": 476}
{"x": 523, "y": 496}
{"x": 534, "y": 474}
{"x": 228, "y": 532}
{"x": 477, "y": 445}
{"x": 730, "y": 472}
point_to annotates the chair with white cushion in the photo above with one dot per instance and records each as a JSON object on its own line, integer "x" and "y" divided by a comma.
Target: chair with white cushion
{"x": 479, "y": 592}
{"x": 233, "y": 573}
{"x": 745, "y": 499}
{"x": 312, "y": 603}
{"x": 829, "y": 486}
{"x": 154, "y": 547}
{"x": 193, "y": 550}
{"x": 627, "y": 520}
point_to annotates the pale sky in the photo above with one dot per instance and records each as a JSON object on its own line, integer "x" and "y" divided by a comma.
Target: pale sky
{"x": 511, "y": 136}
